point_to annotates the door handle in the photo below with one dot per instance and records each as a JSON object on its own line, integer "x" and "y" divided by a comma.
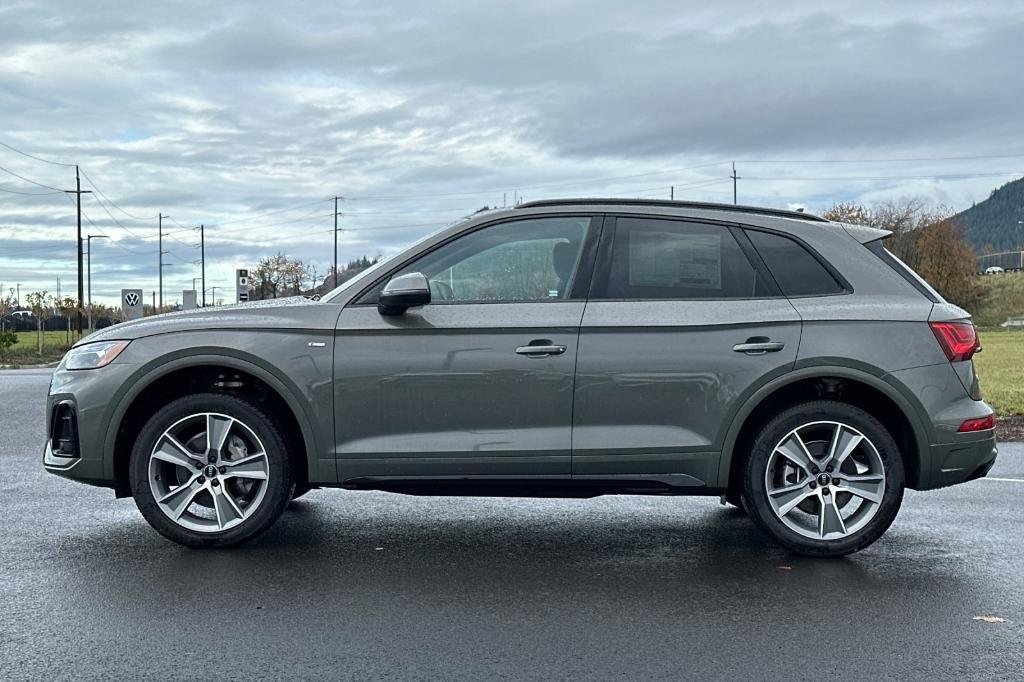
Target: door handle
{"x": 540, "y": 348}
{"x": 759, "y": 347}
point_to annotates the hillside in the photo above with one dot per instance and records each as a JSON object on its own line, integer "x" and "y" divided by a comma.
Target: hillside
{"x": 993, "y": 222}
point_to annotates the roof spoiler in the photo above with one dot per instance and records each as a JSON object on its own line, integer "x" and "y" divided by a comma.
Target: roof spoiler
{"x": 865, "y": 234}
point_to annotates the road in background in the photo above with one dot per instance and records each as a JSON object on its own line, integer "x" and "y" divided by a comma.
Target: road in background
{"x": 366, "y": 584}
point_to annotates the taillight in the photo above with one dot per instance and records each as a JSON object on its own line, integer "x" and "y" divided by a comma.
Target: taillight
{"x": 979, "y": 424}
{"x": 959, "y": 340}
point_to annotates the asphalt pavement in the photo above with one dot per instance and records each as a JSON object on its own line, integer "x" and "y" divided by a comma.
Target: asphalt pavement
{"x": 374, "y": 585}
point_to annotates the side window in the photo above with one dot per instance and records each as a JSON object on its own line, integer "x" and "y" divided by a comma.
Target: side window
{"x": 653, "y": 258}
{"x": 519, "y": 261}
{"x": 796, "y": 270}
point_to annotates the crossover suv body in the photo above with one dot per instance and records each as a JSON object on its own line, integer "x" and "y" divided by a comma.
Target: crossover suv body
{"x": 570, "y": 348}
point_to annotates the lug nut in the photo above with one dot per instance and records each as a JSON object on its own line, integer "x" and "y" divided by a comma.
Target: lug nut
{"x": 829, "y": 468}
{"x": 215, "y": 482}
{"x": 202, "y": 479}
{"x": 212, "y": 459}
{"x": 223, "y": 470}
{"x": 825, "y": 490}
{"x": 814, "y": 469}
{"x": 813, "y": 485}
{"x": 197, "y": 464}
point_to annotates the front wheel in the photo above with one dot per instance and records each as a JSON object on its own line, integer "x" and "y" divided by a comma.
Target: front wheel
{"x": 210, "y": 470}
{"x": 824, "y": 478}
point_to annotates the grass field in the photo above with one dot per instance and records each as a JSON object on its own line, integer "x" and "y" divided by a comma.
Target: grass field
{"x": 1001, "y": 367}
{"x": 1004, "y": 298}
{"x": 26, "y": 350}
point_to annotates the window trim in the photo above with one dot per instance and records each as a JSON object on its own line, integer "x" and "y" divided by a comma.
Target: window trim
{"x": 844, "y": 284}
{"x": 602, "y": 266}
{"x": 907, "y": 273}
{"x": 579, "y": 285}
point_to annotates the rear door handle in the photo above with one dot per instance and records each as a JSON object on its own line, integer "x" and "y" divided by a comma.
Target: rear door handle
{"x": 759, "y": 347}
{"x": 540, "y": 348}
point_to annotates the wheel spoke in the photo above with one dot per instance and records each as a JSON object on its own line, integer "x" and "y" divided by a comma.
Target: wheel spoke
{"x": 870, "y": 487}
{"x": 794, "y": 450}
{"x": 217, "y": 429}
{"x": 225, "y": 507}
{"x": 253, "y": 466}
{"x": 843, "y": 445}
{"x": 179, "y": 499}
{"x": 830, "y": 520}
{"x": 786, "y": 499}
{"x": 173, "y": 452}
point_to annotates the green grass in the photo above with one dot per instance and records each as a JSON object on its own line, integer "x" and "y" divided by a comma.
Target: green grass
{"x": 1004, "y": 298}
{"x": 1001, "y": 368}
{"x": 26, "y": 350}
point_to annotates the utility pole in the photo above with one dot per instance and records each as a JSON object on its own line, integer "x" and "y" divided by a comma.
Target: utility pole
{"x": 88, "y": 244}
{"x": 734, "y": 179}
{"x": 336, "y": 214}
{"x": 213, "y": 295}
{"x": 77, "y": 191}
{"x": 672, "y": 192}
{"x": 160, "y": 251}
{"x": 202, "y": 260}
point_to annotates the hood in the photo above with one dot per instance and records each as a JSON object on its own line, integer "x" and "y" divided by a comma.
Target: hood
{"x": 296, "y": 312}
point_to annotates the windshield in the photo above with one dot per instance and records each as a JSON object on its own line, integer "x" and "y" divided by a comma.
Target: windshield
{"x": 370, "y": 272}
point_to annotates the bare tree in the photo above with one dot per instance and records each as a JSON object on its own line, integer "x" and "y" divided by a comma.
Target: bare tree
{"x": 41, "y": 304}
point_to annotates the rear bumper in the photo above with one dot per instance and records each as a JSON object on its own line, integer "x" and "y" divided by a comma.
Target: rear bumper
{"x": 954, "y": 463}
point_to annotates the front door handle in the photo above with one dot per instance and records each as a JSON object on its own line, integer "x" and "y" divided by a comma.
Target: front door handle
{"x": 540, "y": 348}
{"x": 759, "y": 346}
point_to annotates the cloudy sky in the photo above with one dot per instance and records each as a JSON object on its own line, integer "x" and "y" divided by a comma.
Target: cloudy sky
{"x": 249, "y": 116}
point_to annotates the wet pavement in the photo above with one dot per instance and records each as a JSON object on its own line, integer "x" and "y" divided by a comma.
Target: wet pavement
{"x": 366, "y": 584}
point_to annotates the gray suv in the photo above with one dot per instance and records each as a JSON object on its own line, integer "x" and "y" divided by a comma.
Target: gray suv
{"x": 569, "y": 348}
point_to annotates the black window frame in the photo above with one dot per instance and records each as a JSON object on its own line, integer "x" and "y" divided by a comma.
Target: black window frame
{"x": 603, "y": 264}
{"x": 581, "y": 282}
{"x": 844, "y": 284}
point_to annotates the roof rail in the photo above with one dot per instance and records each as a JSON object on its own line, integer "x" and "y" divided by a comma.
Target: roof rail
{"x": 732, "y": 208}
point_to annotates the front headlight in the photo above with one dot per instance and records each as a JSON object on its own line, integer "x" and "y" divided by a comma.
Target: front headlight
{"x": 93, "y": 355}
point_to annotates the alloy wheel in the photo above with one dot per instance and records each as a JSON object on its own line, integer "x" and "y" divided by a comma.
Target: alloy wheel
{"x": 208, "y": 472}
{"x": 825, "y": 480}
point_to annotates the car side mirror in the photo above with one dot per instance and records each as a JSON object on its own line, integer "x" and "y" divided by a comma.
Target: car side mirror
{"x": 404, "y": 292}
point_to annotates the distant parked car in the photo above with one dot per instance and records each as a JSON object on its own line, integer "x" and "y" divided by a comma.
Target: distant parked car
{"x": 994, "y": 270}
{"x": 569, "y": 348}
{"x": 1013, "y": 323}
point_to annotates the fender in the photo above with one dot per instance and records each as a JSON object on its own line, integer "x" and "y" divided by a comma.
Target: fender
{"x": 870, "y": 376}
{"x": 227, "y": 357}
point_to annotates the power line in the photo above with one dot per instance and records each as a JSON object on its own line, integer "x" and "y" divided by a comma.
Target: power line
{"x": 22, "y": 177}
{"x": 32, "y": 156}
{"x": 30, "y": 194}
{"x": 108, "y": 200}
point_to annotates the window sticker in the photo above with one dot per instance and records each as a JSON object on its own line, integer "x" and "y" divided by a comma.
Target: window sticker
{"x": 671, "y": 259}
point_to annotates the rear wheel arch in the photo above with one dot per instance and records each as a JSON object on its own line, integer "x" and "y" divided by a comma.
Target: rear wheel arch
{"x": 898, "y": 412}
{"x": 162, "y": 381}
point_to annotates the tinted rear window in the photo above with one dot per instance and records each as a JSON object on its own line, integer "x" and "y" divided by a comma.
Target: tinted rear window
{"x": 673, "y": 259}
{"x": 797, "y": 270}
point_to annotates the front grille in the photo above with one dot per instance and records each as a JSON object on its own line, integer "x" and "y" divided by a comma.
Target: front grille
{"x": 64, "y": 431}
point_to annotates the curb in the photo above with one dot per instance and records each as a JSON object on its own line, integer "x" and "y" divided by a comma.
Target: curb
{"x": 49, "y": 365}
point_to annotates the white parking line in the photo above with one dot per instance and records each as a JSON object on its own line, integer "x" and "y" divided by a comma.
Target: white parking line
{"x": 1004, "y": 480}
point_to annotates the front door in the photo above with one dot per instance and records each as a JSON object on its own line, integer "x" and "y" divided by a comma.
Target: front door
{"x": 479, "y": 382}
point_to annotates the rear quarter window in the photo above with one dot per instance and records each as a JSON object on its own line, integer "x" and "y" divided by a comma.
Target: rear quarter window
{"x": 797, "y": 271}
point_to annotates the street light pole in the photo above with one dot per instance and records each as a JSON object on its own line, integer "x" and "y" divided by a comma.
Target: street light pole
{"x": 213, "y": 295}
{"x": 88, "y": 243}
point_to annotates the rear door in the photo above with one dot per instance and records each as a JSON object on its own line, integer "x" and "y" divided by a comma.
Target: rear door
{"x": 683, "y": 321}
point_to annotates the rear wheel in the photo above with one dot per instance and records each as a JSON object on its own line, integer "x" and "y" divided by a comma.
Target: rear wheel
{"x": 824, "y": 478}
{"x": 210, "y": 470}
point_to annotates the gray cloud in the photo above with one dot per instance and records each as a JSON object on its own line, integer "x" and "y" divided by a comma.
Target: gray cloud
{"x": 216, "y": 111}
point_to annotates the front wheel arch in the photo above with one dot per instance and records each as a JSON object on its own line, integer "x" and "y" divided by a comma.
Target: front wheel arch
{"x": 164, "y": 380}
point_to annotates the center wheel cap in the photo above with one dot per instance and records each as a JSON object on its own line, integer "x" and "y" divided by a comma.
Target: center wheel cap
{"x": 824, "y": 480}
{"x": 210, "y": 471}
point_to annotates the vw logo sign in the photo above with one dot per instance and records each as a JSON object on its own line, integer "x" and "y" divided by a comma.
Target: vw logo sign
{"x": 131, "y": 299}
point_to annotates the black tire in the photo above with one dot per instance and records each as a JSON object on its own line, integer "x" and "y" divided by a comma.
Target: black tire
{"x": 300, "y": 490}
{"x": 756, "y": 498}
{"x": 735, "y": 499}
{"x": 279, "y": 483}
